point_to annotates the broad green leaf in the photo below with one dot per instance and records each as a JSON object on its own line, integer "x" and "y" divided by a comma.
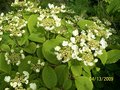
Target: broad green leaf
{"x": 49, "y": 77}
{"x": 48, "y": 49}
{"x": 55, "y": 88}
{"x": 3, "y": 64}
{"x": 24, "y": 66}
{"x": 67, "y": 84}
{"x": 83, "y": 83}
{"x": 39, "y": 52}
{"x": 113, "y": 56}
{"x": 5, "y": 47}
{"x": 113, "y": 6}
{"x": 86, "y": 71}
{"x": 42, "y": 88}
{"x": 62, "y": 74}
{"x": 76, "y": 70}
{"x": 103, "y": 57}
{"x": 32, "y": 21}
{"x": 23, "y": 39}
{"x": 31, "y": 48}
{"x": 82, "y": 23}
{"x": 37, "y": 37}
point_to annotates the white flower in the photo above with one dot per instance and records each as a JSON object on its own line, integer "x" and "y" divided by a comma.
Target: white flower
{"x": 18, "y": 63}
{"x": 51, "y": 5}
{"x": 96, "y": 60}
{"x": 26, "y": 74}
{"x": 59, "y": 56}
{"x": 19, "y": 34}
{"x": 13, "y": 84}
{"x": 42, "y": 63}
{"x": 29, "y": 62}
{"x": 2, "y": 14}
{"x": 75, "y": 32}
{"x": 1, "y": 33}
{"x": 72, "y": 39}
{"x": 0, "y": 39}
{"x": 7, "y": 89}
{"x": 23, "y": 56}
{"x": 12, "y": 50}
{"x": 37, "y": 70}
{"x": 21, "y": 51}
{"x": 79, "y": 59}
{"x": 90, "y": 63}
{"x": 65, "y": 43}
{"x": 57, "y": 48}
{"x": 74, "y": 56}
{"x": 7, "y": 78}
{"x": 103, "y": 43}
{"x": 33, "y": 86}
{"x": 74, "y": 47}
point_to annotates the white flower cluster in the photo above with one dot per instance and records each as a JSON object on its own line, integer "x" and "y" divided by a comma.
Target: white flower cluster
{"x": 14, "y": 57}
{"x": 27, "y": 6}
{"x": 84, "y": 46}
{"x": 15, "y": 24}
{"x": 48, "y": 17}
{"x": 18, "y": 81}
{"x": 36, "y": 67}
{"x": 1, "y": 27}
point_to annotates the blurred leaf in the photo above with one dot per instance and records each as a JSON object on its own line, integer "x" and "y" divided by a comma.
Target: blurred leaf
{"x": 82, "y": 24}
{"x": 113, "y": 6}
{"x": 76, "y": 70}
{"x": 113, "y": 56}
{"x": 31, "y": 48}
{"x": 49, "y": 77}
{"x": 32, "y": 21}
{"x": 62, "y": 74}
{"x": 5, "y": 47}
{"x": 67, "y": 84}
{"x": 48, "y": 49}
{"x": 3, "y": 64}
{"x": 103, "y": 57}
{"x": 83, "y": 83}
{"x": 37, "y": 37}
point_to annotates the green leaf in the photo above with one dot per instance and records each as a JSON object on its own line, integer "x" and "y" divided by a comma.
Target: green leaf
{"x": 82, "y": 23}
{"x": 24, "y": 66}
{"x": 48, "y": 49}
{"x": 3, "y": 64}
{"x": 67, "y": 84}
{"x": 37, "y": 37}
{"x": 31, "y": 48}
{"x": 5, "y": 47}
{"x": 62, "y": 74}
{"x": 49, "y": 77}
{"x": 86, "y": 71}
{"x": 39, "y": 52}
{"x": 23, "y": 39}
{"x": 76, "y": 70}
{"x": 113, "y": 56}
{"x": 42, "y": 88}
{"x": 32, "y": 21}
{"x": 83, "y": 83}
{"x": 103, "y": 57}
{"x": 113, "y": 6}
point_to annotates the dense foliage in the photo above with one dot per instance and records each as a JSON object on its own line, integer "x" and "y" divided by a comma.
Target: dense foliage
{"x": 59, "y": 45}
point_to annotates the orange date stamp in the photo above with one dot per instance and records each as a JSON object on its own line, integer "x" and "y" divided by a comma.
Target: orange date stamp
{"x": 101, "y": 78}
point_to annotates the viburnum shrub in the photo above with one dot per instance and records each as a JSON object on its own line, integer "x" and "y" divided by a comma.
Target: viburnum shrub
{"x": 50, "y": 47}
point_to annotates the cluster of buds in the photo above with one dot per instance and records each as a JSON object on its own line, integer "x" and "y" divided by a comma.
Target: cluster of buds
{"x": 84, "y": 46}
{"x": 15, "y": 24}
{"x": 18, "y": 82}
{"x": 36, "y": 66}
{"x": 14, "y": 57}
{"x": 49, "y": 18}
